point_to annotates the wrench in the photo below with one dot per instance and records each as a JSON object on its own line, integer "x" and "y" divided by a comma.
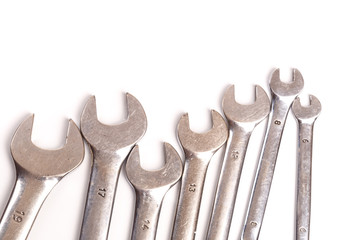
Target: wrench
{"x": 37, "y": 173}
{"x": 242, "y": 119}
{"x": 306, "y": 117}
{"x": 199, "y": 149}
{"x": 283, "y": 94}
{"x": 150, "y": 188}
{"x": 109, "y": 146}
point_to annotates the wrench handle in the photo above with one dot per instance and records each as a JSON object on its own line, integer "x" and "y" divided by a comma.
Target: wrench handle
{"x": 228, "y": 184}
{"x": 190, "y": 198}
{"x": 265, "y": 170}
{"x": 304, "y": 163}
{"x": 100, "y": 200}
{"x": 26, "y": 199}
{"x": 147, "y": 210}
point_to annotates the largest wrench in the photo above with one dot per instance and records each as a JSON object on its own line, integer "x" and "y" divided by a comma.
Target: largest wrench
{"x": 109, "y": 146}
{"x": 37, "y": 171}
{"x": 283, "y": 94}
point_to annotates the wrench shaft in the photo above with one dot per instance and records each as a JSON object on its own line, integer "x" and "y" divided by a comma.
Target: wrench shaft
{"x": 146, "y": 217}
{"x": 26, "y": 199}
{"x": 265, "y": 171}
{"x": 304, "y": 181}
{"x": 100, "y": 200}
{"x": 190, "y": 198}
{"x": 228, "y": 184}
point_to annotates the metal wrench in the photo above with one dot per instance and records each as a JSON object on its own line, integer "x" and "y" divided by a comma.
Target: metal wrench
{"x": 109, "y": 146}
{"x": 306, "y": 117}
{"x": 199, "y": 149}
{"x": 283, "y": 94}
{"x": 37, "y": 172}
{"x": 242, "y": 120}
{"x": 150, "y": 188}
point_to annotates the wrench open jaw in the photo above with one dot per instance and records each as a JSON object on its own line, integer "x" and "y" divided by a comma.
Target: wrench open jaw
{"x": 197, "y": 143}
{"x": 240, "y": 114}
{"x": 41, "y": 162}
{"x": 165, "y": 177}
{"x": 307, "y": 113}
{"x": 150, "y": 188}
{"x": 37, "y": 171}
{"x": 291, "y": 89}
{"x": 199, "y": 149}
{"x": 111, "y": 138}
{"x": 110, "y": 144}
{"x": 242, "y": 120}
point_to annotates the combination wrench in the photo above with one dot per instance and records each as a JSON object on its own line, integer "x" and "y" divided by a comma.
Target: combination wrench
{"x": 242, "y": 119}
{"x": 198, "y": 149}
{"x": 109, "y": 146}
{"x": 306, "y": 117}
{"x": 150, "y": 188}
{"x": 37, "y": 172}
{"x": 283, "y": 94}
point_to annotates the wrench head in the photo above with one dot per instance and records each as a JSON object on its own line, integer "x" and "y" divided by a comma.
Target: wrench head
{"x": 46, "y": 163}
{"x": 286, "y": 89}
{"x": 197, "y": 143}
{"x": 167, "y": 176}
{"x": 252, "y": 113}
{"x": 111, "y": 138}
{"x": 306, "y": 113}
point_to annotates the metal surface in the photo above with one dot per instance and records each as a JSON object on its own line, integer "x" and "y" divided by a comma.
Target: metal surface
{"x": 199, "y": 149}
{"x": 242, "y": 119}
{"x": 283, "y": 94}
{"x": 150, "y": 188}
{"x": 109, "y": 146}
{"x": 306, "y": 117}
{"x": 37, "y": 172}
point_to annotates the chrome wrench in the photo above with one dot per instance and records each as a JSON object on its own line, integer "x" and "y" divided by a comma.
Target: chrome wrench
{"x": 150, "y": 188}
{"x": 109, "y": 146}
{"x": 199, "y": 149}
{"x": 242, "y": 119}
{"x": 306, "y": 117}
{"x": 37, "y": 173}
{"x": 283, "y": 94}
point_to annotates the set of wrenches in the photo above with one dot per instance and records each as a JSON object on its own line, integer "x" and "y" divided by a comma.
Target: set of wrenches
{"x": 39, "y": 170}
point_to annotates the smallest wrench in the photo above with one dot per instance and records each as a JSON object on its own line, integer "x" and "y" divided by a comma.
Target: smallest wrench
{"x": 150, "y": 188}
{"x": 306, "y": 117}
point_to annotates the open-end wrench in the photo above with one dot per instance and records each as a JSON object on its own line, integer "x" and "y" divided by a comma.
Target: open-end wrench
{"x": 306, "y": 117}
{"x": 283, "y": 94}
{"x": 109, "y": 146}
{"x": 242, "y": 119}
{"x": 37, "y": 172}
{"x": 199, "y": 149}
{"x": 150, "y": 188}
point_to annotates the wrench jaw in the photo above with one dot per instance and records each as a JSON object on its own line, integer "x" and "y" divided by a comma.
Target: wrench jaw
{"x": 283, "y": 90}
{"x": 30, "y": 159}
{"x": 306, "y": 114}
{"x": 105, "y": 138}
{"x": 202, "y": 145}
{"x": 160, "y": 180}
{"x": 243, "y": 116}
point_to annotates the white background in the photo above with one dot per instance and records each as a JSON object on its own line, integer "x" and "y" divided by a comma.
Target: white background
{"x": 178, "y": 57}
